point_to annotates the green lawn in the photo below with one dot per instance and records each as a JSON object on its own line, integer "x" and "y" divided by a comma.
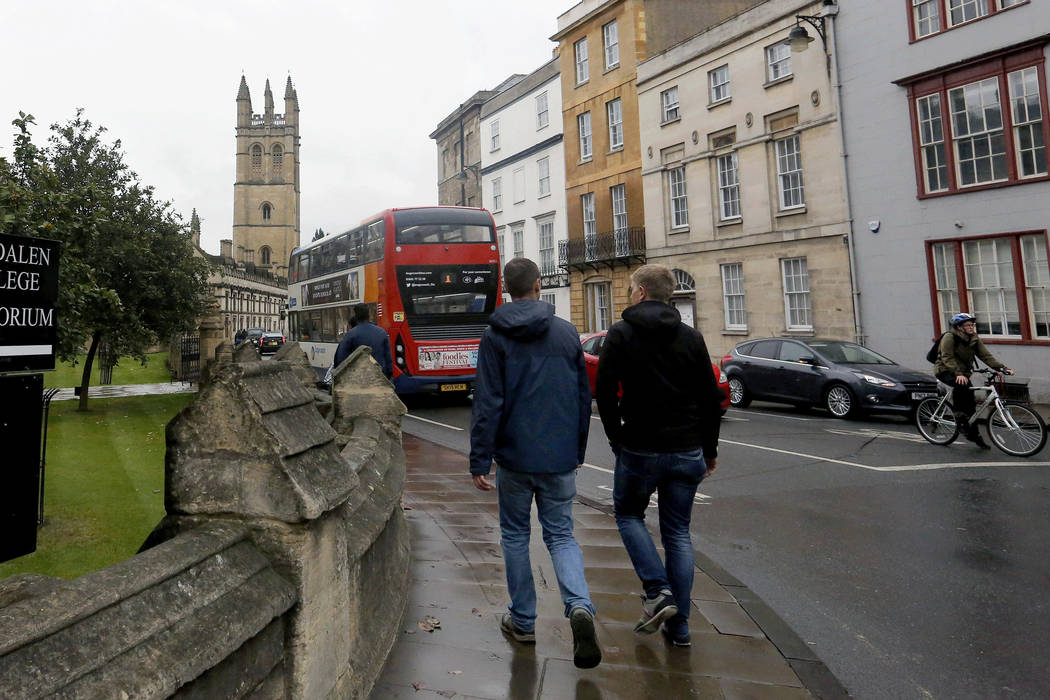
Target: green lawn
{"x": 128, "y": 371}
{"x": 104, "y": 489}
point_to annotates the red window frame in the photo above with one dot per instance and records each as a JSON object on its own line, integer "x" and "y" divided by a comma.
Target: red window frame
{"x": 942, "y": 8}
{"x": 1027, "y": 335}
{"x": 939, "y": 81}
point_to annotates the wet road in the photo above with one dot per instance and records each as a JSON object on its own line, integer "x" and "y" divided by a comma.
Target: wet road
{"x": 913, "y": 571}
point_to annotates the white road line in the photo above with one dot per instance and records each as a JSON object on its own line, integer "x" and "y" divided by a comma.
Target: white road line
{"x": 597, "y": 468}
{"x": 434, "y": 422}
{"x": 777, "y": 415}
{"x": 952, "y": 465}
{"x": 796, "y": 454}
{"x": 898, "y": 468}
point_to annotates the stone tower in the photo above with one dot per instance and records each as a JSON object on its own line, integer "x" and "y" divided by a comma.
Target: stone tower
{"x": 266, "y": 190}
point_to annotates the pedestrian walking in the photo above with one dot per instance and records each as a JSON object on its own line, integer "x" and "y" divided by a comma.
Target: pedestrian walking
{"x": 664, "y": 433}
{"x": 364, "y": 332}
{"x": 532, "y": 408}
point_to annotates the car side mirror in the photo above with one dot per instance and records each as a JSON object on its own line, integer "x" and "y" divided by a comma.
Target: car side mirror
{"x": 807, "y": 360}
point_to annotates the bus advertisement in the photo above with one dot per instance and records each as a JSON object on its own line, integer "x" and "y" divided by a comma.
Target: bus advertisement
{"x": 431, "y": 277}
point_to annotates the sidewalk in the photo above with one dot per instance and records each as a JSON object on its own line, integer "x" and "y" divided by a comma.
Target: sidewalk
{"x": 450, "y": 644}
{"x": 110, "y": 391}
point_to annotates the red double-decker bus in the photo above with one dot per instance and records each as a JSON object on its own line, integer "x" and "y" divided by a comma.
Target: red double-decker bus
{"x": 431, "y": 276}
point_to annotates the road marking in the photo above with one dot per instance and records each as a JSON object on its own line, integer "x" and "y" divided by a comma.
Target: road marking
{"x": 701, "y": 499}
{"x": 952, "y": 465}
{"x": 876, "y": 433}
{"x": 777, "y": 415}
{"x": 898, "y": 468}
{"x": 597, "y": 468}
{"x": 434, "y": 422}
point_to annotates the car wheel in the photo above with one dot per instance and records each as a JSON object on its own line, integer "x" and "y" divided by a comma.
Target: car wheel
{"x": 739, "y": 396}
{"x": 839, "y": 401}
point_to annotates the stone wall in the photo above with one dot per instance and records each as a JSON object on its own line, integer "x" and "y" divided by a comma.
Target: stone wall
{"x": 277, "y": 571}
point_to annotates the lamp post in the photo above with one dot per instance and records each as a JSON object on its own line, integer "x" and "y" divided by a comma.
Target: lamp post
{"x": 799, "y": 38}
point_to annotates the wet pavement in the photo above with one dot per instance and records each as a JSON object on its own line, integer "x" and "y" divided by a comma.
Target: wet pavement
{"x": 111, "y": 391}
{"x": 450, "y": 644}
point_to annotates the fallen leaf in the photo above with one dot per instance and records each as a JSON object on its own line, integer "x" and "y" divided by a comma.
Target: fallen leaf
{"x": 447, "y": 693}
{"x": 433, "y": 622}
{"x": 475, "y": 611}
{"x": 425, "y": 626}
{"x": 418, "y": 685}
{"x": 457, "y": 672}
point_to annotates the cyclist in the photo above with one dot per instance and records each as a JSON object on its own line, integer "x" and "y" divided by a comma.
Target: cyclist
{"x": 955, "y": 363}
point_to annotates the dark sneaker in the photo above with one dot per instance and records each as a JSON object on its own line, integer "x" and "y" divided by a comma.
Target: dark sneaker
{"x": 585, "y": 650}
{"x": 975, "y": 437}
{"x": 678, "y": 640}
{"x": 518, "y": 635}
{"x": 655, "y": 611}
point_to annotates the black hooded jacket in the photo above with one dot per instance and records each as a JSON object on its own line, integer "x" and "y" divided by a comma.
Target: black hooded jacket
{"x": 532, "y": 401}
{"x": 670, "y": 398}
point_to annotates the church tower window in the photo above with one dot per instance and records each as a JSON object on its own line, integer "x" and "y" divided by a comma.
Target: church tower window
{"x": 278, "y": 159}
{"x": 266, "y": 208}
{"x": 256, "y": 160}
{"x": 264, "y": 255}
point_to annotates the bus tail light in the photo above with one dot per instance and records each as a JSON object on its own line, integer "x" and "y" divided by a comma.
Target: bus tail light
{"x": 399, "y": 354}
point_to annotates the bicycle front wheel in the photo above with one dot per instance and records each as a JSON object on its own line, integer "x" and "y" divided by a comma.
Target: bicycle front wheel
{"x": 936, "y": 421}
{"x": 1016, "y": 430}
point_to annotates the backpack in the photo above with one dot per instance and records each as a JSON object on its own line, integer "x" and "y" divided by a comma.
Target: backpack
{"x": 934, "y": 351}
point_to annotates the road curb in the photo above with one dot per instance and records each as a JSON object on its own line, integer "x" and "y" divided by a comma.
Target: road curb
{"x": 816, "y": 677}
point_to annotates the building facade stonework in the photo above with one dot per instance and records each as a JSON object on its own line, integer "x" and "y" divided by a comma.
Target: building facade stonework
{"x": 600, "y": 43}
{"x": 523, "y": 177}
{"x": 744, "y": 182}
{"x": 949, "y": 180}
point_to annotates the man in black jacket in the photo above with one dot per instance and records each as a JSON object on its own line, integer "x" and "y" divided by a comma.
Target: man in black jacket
{"x": 364, "y": 332}
{"x": 532, "y": 410}
{"x": 664, "y": 432}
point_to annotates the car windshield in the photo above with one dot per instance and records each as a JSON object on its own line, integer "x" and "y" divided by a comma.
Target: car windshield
{"x": 839, "y": 351}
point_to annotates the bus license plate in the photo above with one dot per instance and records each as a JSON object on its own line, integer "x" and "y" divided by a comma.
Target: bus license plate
{"x": 919, "y": 395}
{"x": 453, "y": 387}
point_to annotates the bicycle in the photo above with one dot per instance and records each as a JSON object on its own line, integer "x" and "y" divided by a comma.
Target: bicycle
{"x": 1012, "y": 427}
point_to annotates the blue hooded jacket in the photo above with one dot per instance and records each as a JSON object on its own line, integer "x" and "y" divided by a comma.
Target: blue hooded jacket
{"x": 532, "y": 401}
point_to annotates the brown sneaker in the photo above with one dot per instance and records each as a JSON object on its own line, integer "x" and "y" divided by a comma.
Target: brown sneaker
{"x": 518, "y": 635}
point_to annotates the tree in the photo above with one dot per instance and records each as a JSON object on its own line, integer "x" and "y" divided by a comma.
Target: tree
{"x": 128, "y": 273}
{"x": 318, "y": 235}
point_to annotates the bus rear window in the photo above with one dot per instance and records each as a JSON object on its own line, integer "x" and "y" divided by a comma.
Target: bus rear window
{"x": 443, "y": 225}
{"x": 444, "y": 233}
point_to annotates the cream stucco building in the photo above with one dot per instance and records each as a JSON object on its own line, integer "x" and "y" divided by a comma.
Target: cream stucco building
{"x": 743, "y": 180}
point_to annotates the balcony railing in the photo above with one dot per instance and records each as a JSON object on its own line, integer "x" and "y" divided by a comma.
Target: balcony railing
{"x": 594, "y": 249}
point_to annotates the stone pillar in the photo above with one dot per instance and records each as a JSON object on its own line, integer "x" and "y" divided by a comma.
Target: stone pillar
{"x": 213, "y": 332}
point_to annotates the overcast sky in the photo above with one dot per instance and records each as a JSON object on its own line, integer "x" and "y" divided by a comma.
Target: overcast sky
{"x": 373, "y": 79}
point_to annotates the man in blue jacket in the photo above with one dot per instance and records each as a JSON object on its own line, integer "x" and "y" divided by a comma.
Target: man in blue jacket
{"x": 532, "y": 410}
{"x": 367, "y": 333}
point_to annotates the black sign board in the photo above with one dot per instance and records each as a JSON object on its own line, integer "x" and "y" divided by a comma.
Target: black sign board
{"x": 341, "y": 288}
{"x": 20, "y": 423}
{"x": 28, "y": 291}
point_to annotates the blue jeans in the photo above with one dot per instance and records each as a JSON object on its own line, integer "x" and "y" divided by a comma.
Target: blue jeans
{"x": 553, "y": 494}
{"x": 675, "y": 477}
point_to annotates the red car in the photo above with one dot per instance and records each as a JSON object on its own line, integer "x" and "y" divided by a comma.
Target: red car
{"x": 592, "y": 346}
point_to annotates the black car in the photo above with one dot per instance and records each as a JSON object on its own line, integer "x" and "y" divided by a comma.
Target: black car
{"x": 843, "y": 377}
{"x": 270, "y": 343}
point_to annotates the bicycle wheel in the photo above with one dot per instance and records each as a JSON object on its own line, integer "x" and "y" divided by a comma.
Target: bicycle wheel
{"x": 1017, "y": 430}
{"x": 936, "y": 421}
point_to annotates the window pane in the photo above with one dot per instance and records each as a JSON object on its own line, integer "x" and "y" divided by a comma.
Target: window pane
{"x": 679, "y": 203}
{"x": 927, "y": 17}
{"x": 990, "y": 280}
{"x": 778, "y": 59}
{"x": 789, "y": 173}
{"x": 980, "y": 146}
{"x": 1037, "y": 283}
{"x": 1028, "y": 124}
{"x": 582, "y": 70}
{"x": 614, "y": 114}
{"x": 669, "y": 101}
{"x": 728, "y": 186}
{"x": 583, "y": 122}
{"x": 796, "y": 293}
{"x": 931, "y": 139}
{"x": 945, "y": 280}
{"x": 733, "y": 295}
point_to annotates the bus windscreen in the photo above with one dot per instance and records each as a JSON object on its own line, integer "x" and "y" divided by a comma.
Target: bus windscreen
{"x": 416, "y": 226}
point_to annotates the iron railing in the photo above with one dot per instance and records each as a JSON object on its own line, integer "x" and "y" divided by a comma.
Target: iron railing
{"x": 590, "y": 250}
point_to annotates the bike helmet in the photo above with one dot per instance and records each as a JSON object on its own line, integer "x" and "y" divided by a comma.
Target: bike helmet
{"x": 959, "y": 319}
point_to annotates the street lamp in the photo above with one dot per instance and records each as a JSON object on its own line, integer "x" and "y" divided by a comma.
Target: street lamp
{"x": 800, "y": 39}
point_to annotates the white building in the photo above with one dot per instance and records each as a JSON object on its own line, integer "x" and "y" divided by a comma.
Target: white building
{"x": 523, "y": 177}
